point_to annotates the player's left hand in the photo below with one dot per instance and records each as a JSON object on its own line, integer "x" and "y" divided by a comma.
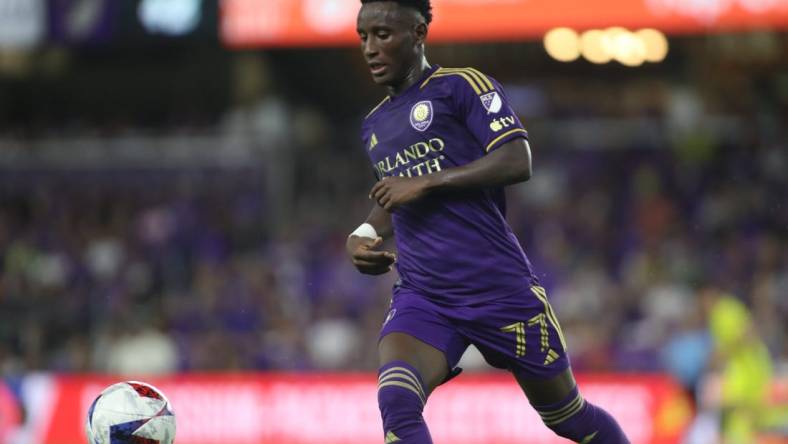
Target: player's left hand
{"x": 392, "y": 192}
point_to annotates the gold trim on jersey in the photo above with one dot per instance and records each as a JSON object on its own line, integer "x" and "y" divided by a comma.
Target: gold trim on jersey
{"x": 478, "y": 81}
{"x": 467, "y": 77}
{"x": 386, "y": 99}
{"x": 516, "y": 130}
{"x": 484, "y": 78}
{"x": 518, "y": 328}
{"x": 484, "y": 83}
{"x": 424, "y": 83}
{"x": 551, "y": 357}
{"x": 541, "y": 294}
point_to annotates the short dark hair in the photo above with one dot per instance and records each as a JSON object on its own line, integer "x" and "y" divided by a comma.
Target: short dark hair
{"x": 423, "y": 6}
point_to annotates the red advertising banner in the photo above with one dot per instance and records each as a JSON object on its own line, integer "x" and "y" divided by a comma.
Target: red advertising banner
{"x": 342, "y": 408}
{"x": 10, "y": 412}
{"x": 261, "y": 23}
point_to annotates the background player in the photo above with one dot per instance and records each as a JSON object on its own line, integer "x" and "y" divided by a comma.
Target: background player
{"x": 744, "y": 364}
{"x": 443, "y": 144}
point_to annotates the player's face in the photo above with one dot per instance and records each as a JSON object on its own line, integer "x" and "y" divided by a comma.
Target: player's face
{"x": 389, "y": 41}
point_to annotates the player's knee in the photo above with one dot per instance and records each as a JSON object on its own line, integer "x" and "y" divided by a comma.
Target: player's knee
{"x": 579, "y": 421}
{"x": 401, "y": 391}
{"x": 560, "y": 418}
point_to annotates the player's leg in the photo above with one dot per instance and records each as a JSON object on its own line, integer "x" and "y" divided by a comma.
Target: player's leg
{"x": 409, "y": 371}
{"x": 563, "y": 409}
{"x": 547, "y": 380}
{"x": 522, "y": 334}
{"x": 416, "y": 350}
{"x": 428, "y": 361}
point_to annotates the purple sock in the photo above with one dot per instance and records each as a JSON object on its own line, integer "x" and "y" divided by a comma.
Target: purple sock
{"x": 401, "y": 397}
{"x": 580, "y": 421}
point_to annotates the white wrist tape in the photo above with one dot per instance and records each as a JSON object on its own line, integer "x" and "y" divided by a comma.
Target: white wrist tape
{"x": 365, "y": 230}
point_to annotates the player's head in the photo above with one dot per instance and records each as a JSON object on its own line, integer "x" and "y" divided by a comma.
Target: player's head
{"x": 392, "y": 36}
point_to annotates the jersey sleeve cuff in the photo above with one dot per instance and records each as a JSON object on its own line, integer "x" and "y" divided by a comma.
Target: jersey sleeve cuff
{"x": 505, "y": 137}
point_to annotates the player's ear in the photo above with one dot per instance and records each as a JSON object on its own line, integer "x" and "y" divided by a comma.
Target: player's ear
{"x": 420, "y": 31}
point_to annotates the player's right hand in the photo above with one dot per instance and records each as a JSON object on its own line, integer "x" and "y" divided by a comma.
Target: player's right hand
{"x": 367, "y": 258}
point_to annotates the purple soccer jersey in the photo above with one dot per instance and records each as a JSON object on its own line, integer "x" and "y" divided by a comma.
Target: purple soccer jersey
{"x": 454, "y": 248}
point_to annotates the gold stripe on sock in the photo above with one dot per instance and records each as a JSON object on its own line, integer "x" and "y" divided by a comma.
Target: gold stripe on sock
{"x": 567, "y": 415}
{"x": 403, "y": 385}
{"x": 405, "y": 372}
{"x": 551, "y": 414}
{"x": 407, "y": 380}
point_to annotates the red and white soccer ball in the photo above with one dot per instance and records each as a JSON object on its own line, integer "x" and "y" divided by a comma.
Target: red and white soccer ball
{"x": 131, "y": 412}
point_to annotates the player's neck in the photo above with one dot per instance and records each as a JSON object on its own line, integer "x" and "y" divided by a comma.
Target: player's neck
{"x": 414, "y": 74}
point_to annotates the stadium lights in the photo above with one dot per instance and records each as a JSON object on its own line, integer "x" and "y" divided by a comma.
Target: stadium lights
{"x": 602, "y": 46}
{"x": 563, "y": 44}
{"x": 656, "y": 44}
{"x": 593, "y": 49}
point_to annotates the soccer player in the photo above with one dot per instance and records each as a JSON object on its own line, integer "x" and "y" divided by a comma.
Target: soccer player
{"x": 744, "y": 363}
{"x": 443, "y": 144}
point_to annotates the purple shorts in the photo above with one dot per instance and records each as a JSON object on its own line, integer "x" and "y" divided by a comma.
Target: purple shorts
{"x": 519, "y": 333}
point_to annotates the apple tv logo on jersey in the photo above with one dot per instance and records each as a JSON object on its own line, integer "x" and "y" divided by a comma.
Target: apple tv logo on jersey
{"x": 504, "y": 122}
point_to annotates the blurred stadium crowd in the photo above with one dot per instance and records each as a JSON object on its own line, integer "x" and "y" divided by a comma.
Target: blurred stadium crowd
{"x": 647, "y": 188}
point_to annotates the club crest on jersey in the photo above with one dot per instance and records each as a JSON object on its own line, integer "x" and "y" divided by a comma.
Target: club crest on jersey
{"x": 492, "y": 102}
{"x": 421, "y": 115}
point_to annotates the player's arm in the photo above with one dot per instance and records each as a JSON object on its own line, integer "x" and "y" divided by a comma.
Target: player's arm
{"x": 381, "y": 222}
{"x": 362, "y": 245}
{"x": 510, "y": 163}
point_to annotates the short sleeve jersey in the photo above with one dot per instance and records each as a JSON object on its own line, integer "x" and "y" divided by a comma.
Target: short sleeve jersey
{"x": 453, "y": 247}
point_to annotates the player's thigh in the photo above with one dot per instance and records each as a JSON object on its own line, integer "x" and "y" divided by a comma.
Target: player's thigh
{"x": 542, "y": 391}
{"x": 430, "y": 362}
{"x": 521, "y": 333}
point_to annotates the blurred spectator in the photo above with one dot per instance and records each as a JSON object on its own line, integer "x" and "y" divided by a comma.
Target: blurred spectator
{"x": 333, "y": 344}
{"x": 141, "y": 350}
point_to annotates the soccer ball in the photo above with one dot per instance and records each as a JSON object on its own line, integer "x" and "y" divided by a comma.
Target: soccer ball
{"x": 130, "y": 412}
